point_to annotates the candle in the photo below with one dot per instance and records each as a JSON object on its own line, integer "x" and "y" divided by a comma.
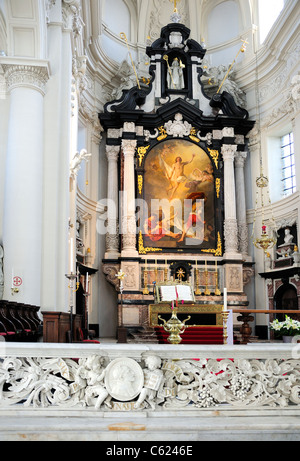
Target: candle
{"x": 12, "y": 278}
{"x": 87, "y": 282}
{"x": 146, "y": 263}
{"x": 176, "y": 296}
{"x": 216, "y": 266}
{"x": 225, "y": 300}
{"x": 172, "y": 305}
{"x": 205, "y": 266}
{"x": 71, "y": 256}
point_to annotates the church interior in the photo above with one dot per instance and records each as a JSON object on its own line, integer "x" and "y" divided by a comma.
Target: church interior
{"x": 152, "y": 151}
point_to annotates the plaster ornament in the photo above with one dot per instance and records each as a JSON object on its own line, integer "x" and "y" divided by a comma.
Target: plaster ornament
{"x": 178, "y": 128}
{"x": 175, "y": 39}
{"x": 184, "y": 384}
{"x": 154, "y": 379}
{"x": 75, "y": 164}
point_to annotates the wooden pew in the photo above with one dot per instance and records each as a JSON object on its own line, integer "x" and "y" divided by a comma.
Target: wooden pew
{"x": 13, "y": 334}
{"x": 20, "y": 321}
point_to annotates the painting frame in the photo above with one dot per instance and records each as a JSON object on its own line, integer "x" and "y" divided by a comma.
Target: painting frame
{"x": 200, "y": 179}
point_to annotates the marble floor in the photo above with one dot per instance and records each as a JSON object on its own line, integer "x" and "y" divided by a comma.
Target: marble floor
{"x": 133, "y": 428}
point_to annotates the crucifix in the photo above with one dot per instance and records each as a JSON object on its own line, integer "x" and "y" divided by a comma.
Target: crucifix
{"x": 175, "y": 4}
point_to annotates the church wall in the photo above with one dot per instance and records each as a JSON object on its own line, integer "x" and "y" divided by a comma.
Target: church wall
{"x": 4, "y": 108}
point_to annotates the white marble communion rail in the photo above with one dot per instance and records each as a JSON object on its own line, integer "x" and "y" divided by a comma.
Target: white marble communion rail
{"x": 149, "y": 378}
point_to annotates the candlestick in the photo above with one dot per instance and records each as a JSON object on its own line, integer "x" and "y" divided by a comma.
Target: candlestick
{"x": 225, "y": 300}
{"x": 71, "y": 256}
{"x": 87, "y": 282}
{"x": 145, "y": 290}
{"x": 225, "y": 315}
{"x": 206, "y": 292}
{"x": 166, "y": 274}
{"x": 217, "y": 291}
{"x": 198, "y": 291}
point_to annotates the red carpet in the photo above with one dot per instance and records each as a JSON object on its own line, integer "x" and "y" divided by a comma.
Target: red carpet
{"x": 194, "y": 335}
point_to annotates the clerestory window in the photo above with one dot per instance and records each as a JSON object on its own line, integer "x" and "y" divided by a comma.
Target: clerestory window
{"x": 288, "y": 164}
{"x": 268, "y": 11}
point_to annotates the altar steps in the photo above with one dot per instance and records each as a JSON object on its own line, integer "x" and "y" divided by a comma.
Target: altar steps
{"x": 194, "y": 335}
{"x": 145, "y": 336}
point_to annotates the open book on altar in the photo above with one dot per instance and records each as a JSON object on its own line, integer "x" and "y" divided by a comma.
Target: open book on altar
{"x": 173, "y": 292}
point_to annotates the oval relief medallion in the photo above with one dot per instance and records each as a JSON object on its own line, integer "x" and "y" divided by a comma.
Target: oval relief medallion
{"x": 124, "y": 379}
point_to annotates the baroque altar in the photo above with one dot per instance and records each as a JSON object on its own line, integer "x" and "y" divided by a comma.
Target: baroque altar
{"x": 175, "y": 169}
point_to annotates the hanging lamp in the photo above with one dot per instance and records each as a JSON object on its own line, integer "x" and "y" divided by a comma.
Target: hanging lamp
{"x": 266, "y": 240}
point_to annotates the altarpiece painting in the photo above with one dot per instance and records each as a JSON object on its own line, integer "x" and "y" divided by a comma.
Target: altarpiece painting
{"x": 179, "y": 194}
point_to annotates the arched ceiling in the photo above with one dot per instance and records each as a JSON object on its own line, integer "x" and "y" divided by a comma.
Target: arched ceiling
{"x": 142, "y": 20}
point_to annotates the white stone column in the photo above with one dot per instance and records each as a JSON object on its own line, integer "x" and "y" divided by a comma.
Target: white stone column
{"x": 128, "y": 201}
{"x": 57, "y": 156}
{"x": 241, "y": 203}
{"x": 22, "y": 234}
{"x": 112, "y": 236}
{"x": 230, "y": 224}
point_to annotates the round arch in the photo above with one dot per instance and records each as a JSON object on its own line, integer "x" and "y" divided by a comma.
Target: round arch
{"x": 285, "y": 298}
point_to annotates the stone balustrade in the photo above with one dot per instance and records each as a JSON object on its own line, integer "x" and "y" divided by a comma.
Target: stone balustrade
{"x": 146, "y": 378}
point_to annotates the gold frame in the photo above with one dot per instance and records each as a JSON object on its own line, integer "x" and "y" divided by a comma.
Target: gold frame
{"x": 188, "y": 308}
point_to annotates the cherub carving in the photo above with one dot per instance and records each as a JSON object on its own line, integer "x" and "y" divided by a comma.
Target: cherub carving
{"x": 153, "y": 381}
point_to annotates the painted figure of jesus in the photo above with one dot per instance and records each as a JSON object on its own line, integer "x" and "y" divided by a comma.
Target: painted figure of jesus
{"x": 177, "y": 175}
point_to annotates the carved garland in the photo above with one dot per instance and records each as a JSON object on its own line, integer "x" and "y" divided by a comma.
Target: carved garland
{"x": 124, "y": 384}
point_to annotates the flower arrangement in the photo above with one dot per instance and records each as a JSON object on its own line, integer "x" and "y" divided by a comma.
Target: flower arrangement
{"x": 288, "y": 327}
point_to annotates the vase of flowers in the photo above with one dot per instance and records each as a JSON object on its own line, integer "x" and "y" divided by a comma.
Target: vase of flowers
{"x": 286, "y": 329}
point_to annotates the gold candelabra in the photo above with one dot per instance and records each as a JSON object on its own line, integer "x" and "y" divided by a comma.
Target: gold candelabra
{"x": 217, "y": 291}
{"x": 145, "y": 290}
{"x": 198, "y": 291}
{"x": 206, "y": 291}
{"x": 165, "y": 274}
{"x": 225, "y": 314}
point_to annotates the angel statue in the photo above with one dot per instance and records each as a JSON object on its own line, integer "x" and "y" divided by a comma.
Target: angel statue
{"x": 76, "y": 162}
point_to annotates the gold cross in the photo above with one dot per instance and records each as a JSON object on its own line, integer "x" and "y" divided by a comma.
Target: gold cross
{"x": 175, "y": 4}
{"x": 180, "y": 274}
